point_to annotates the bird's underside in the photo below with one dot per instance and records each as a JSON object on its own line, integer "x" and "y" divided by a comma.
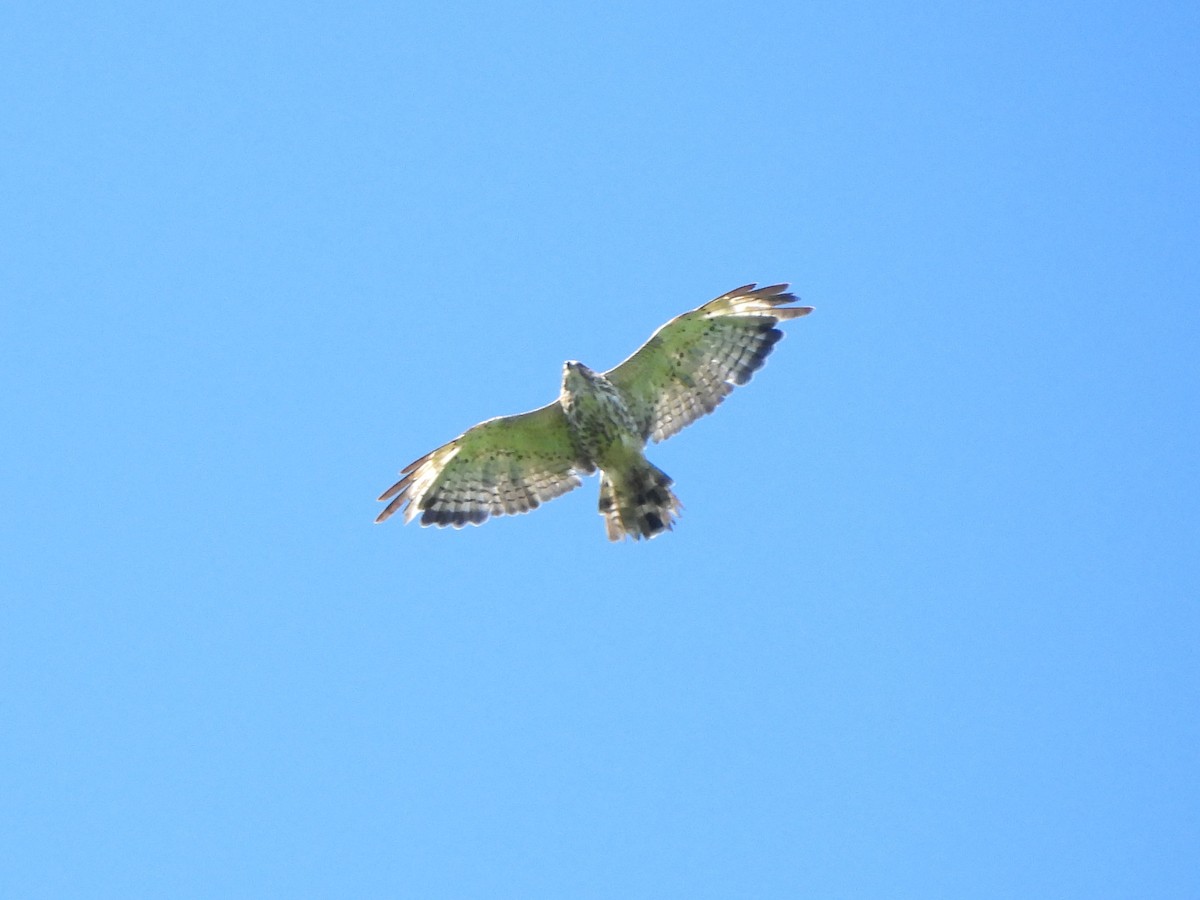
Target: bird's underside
{"x": 513, "y": 464}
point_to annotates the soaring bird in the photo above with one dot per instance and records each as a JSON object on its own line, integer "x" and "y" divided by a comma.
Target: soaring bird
{"x": 512, "y": 464}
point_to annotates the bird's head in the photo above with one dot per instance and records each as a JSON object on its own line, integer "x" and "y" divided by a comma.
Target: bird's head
{"x": 575, "y": 375}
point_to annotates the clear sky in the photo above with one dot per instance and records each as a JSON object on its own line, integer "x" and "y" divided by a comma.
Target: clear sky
{"x": 929, "y": 624}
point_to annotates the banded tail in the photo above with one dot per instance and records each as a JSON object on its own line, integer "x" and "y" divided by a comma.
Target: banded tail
{"x": 637, "y": 502}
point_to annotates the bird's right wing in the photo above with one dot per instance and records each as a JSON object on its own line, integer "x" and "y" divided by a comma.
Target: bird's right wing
{"x": 510, "y": 465}
{"x": 690, "y": 364}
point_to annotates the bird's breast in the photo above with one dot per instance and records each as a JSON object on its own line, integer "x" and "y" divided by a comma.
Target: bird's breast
{"x": 599, "y": 420}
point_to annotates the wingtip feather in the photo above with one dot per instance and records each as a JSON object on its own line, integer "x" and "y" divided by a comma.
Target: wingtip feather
{"x": 393, "y": 490}
{"x": 791, "y": 312}
{"x": 770, "y": 290}
{"x": 388, "y": 510}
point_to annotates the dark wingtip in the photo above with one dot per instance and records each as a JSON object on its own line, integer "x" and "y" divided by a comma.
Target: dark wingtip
{"x": 389, "y": 510}
{"x": 791, "y": 312}
{"x": 771, "y": 290}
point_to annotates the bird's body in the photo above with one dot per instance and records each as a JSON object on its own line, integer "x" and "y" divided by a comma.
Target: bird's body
{"x": 635, "y": 496}
{"x": 601, "y": 421}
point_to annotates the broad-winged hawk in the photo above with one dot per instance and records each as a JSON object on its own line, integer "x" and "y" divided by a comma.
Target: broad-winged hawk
{"x": 512, "y": 464}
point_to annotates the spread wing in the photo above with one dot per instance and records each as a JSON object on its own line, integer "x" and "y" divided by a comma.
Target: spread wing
{"x": 507, "y": 465}
{"x": 691, "y": 363}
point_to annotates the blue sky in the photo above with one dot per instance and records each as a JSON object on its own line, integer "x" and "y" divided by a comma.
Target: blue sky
{"x": 928, "y": 625}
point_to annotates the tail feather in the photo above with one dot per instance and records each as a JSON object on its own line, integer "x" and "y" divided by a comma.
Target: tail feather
{"x": 638, "y": 503}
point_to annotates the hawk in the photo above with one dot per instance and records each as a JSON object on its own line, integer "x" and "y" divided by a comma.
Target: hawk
{"x": 512, "y": 464}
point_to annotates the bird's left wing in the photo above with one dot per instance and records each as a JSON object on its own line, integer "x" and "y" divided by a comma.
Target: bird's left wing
{"x": 690, "y": 364}
{"x": 505, "y": 465}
